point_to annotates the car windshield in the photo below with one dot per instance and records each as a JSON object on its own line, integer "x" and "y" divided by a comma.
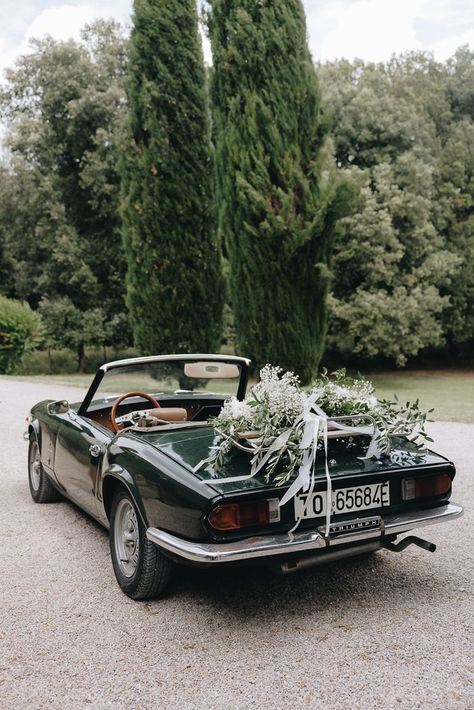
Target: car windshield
{"x": 171, "y": 377}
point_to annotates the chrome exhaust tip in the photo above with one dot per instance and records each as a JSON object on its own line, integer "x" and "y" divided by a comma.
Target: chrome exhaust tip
{"x": 296, "y": 565}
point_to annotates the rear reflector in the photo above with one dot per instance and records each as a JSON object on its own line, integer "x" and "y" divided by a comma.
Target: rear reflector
{"x": 426, "y": 487}
{"x": 235, "y": 516}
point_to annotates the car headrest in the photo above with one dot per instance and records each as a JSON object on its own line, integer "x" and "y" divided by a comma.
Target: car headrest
{"x": 169, "y": 414}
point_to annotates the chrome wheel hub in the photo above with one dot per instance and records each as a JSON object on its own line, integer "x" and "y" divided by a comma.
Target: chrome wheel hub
{"x": 35, "y": 466}
{"x": 126, "y": 537}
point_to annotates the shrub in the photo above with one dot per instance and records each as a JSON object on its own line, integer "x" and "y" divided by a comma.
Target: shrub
{"x": 20, "y": 332}
{"x": 64, "y": 361}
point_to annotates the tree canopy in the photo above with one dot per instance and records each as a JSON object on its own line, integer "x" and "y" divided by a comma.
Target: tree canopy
{"x": 60, "y": 222}
{"x": 403, "y": 261}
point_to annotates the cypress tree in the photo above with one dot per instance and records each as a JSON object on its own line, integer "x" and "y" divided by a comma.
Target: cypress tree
{"x": 174, "y": 277}
{"x": 276, "y": 216}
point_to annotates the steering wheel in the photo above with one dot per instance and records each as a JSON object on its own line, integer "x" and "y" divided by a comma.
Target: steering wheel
{"x": 120, "y": 399}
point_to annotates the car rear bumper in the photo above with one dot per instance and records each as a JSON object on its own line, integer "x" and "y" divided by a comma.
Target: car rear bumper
{"x": 301, "y": 542}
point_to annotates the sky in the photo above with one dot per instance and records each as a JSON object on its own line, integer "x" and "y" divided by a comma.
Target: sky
{"x": 370, "y": 29}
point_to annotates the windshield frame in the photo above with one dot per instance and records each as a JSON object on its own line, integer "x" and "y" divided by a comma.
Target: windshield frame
{"x": 243, "y": 362}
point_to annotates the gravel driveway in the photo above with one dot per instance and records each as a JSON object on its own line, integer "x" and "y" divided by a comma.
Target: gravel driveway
{"x": 385, "y": 631}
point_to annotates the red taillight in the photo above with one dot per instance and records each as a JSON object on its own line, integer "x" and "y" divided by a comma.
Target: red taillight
{"x": 235, "y": 516}
{"x": 225, "y": 517}
{"x": 426, "y": 487}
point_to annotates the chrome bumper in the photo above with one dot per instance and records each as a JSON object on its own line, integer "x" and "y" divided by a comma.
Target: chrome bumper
{"x": 287, "y": 543}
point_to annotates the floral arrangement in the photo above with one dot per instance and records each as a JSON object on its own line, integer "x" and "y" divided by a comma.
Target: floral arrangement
{"x": 271, "y": 423}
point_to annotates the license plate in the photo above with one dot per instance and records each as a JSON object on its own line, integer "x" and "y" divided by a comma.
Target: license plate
{"x": 344, "y": 500}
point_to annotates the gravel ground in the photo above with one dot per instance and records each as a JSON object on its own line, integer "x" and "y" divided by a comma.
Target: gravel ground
{"x": 385, "y": 631}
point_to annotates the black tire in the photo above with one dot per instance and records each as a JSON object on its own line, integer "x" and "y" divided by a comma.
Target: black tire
{"x": 141, "y": 569}
{"x": 41, "y": 488}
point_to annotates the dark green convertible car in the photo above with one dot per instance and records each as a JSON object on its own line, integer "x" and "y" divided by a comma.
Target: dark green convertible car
{"x": 129, "y": 453}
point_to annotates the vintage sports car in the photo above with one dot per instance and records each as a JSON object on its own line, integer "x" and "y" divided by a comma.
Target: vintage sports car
{"x": 129, "y": 453}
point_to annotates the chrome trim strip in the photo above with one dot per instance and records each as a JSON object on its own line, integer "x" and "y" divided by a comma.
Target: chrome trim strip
{"x": 286, "y": 543}
{"x": 397, "y": 524}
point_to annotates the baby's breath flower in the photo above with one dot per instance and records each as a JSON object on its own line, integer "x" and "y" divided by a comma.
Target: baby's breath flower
{"x": 276, "y": 403}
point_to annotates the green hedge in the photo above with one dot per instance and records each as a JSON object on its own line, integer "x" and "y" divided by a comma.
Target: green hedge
{"x": 64, "y": 362}
{"x": 20, "y": 332}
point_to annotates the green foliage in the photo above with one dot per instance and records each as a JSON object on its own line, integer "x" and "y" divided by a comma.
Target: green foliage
{"x": 68, "y": 326}
{"x": 389, "y": 264}
{"x": 64, "y": 362}
{"x": 174, "y": 283}
{"x": 276, "y": 209}
{"x": 59, "y": 222}
{"x": 454, "y": 211}
{"x": 280, "y": 425}
{"x": 7, "y": 263}
{"x": 394, "y": 418}
{"x": 339, "y": 394}
{"x": 404, "y": 261}
{"x": 20, "y": 332}
{"x": 460, "y": 69}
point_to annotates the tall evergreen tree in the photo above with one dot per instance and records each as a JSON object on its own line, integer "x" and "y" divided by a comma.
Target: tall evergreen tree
{"x": 174, "y": 272}
{"x": 276, "y": 213}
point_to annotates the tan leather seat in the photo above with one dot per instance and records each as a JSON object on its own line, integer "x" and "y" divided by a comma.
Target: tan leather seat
{"x": 169, "y": 414}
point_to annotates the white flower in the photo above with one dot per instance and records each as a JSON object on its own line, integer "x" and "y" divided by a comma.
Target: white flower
{"x": 372, "y": 402}
{"x": 276, "y": 402}
{"x": 235, "y": 407}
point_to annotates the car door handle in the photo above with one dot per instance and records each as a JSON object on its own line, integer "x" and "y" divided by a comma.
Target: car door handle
{"x": 94, "y": 450}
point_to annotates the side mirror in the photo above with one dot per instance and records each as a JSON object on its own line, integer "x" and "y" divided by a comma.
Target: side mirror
{"x": 59, "y": 407}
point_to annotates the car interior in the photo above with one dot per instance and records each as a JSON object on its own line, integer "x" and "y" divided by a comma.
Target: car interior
{"x": 191, "y": 401}
{"x": 137, "y": 411}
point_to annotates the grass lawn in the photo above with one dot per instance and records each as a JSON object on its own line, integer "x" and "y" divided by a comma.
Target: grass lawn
{"x": 449, "y": 392}
{"x": 76, "y": 380}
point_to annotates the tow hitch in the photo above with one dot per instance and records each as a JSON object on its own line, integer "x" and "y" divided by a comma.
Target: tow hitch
{"x": 410, "y": 540}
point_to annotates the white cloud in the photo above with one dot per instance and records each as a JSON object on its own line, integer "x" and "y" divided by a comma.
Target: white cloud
{"x": 446, "y": 47}
{"x": 7, "y": 57}
{"x": 63, "y": 22}
{"x": 373, "y": 30}
{"x": 369, "y": 29}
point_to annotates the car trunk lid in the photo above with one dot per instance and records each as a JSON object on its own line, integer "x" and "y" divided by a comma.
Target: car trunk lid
{"x": 345, "y": 457}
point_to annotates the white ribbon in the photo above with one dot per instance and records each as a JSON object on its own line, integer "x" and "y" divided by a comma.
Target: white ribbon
{"x": 313, "y": 423}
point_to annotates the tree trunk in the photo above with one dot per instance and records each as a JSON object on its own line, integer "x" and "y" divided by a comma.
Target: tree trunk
{"x": 81, "y": 356}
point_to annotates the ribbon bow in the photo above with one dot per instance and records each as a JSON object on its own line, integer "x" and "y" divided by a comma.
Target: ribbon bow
{"x": 311, "y": 425}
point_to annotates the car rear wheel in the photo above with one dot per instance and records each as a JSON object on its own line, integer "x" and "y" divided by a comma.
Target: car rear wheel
{"x": 41, "y": 488}
{"x": 141, "y": 569}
